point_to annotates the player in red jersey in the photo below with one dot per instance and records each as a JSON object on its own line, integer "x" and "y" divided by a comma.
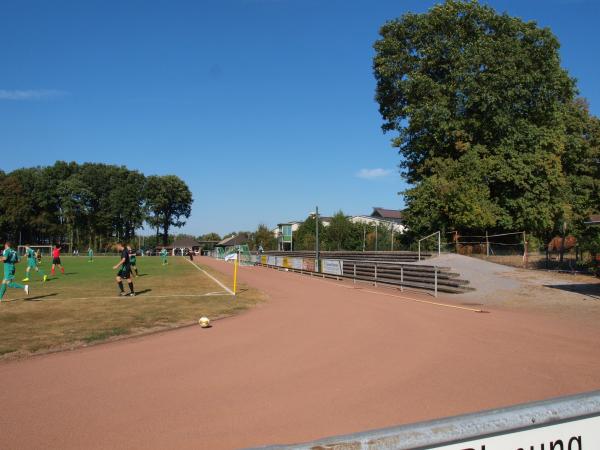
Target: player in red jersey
{"x": 56, "y": 259}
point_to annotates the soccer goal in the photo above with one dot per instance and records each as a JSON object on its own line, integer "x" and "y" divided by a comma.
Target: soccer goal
{"x": 45, "y": 250}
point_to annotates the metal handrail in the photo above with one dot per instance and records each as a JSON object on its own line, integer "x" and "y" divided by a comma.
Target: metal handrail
{"x": 470, "y": 427}
{"x": 439, "y": 235}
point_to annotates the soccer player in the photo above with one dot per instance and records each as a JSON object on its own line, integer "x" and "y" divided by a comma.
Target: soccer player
{"x": 124, "y": 273}
{"x": 32, "y": 263}
{"x": 56, "y": 260}
{"x": 90, "y": 255}
{"x": 132, "y": 260}
{"x": 163, "y": 256}
{"x": 10, "y": 258}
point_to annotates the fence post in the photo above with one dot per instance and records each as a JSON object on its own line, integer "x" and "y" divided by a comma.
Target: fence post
{"x": 419, "y": 250}
{"x": 354, "y": 278}
{"x": 376, "y": 274}
{"x": 401, "y": 278}
{"x": 439, "y": 243}
{"x": 435, "y": 270}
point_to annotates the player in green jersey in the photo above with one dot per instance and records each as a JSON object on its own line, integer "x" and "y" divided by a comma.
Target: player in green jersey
{"x": 10, "y": 258}
{"x": 163, "y": 256}
{"x": 90, "y": 255}
{"x": 32, "y": 263}
{"x": 133, "y": 260}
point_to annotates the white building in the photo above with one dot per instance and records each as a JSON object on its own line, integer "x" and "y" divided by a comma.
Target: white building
{"x": 386, "y": 218}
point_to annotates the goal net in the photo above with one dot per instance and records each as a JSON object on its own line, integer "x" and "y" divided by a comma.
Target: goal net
{"x": 244, "y": 253}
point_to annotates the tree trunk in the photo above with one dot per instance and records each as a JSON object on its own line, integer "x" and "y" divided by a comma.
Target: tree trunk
{"x": 165, "y": 234}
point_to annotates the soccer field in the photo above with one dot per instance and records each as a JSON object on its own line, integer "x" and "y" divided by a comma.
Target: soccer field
{"x": 82, "y": 306}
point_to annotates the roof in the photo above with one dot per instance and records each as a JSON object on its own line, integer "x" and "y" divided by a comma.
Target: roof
{"x": 237, "y": 239}
{"x": 392, "y": 214}
{"x": 291, "y": 222}
{"x": 185, "y": 242}
{"x": 593, "y": 220}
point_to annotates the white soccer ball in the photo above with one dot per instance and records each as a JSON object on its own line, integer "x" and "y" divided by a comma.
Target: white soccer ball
{"x": 204, "y": 322}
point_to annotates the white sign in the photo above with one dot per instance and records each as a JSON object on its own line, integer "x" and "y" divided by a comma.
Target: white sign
{"x": 295, "y": 263}
{"x": 333, "y": 266}
{"x": 583, "y": 434}
{"x": 271, "y": 260}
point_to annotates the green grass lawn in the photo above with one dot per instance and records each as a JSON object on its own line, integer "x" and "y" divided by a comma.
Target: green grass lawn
{"x": 83, "y": 306}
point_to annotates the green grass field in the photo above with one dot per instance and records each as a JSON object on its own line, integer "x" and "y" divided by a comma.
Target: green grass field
{"x": 83, "y": 306}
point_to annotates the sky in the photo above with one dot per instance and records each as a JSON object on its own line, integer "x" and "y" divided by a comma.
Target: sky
{"x": 265, "y": 108}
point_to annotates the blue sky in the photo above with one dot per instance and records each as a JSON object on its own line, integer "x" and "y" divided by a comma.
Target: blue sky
{"x": 264, "y": 107}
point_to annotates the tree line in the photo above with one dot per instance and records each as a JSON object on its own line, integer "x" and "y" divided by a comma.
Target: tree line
{"x": 89, "y": 204}
{"x": 491, "y": 130}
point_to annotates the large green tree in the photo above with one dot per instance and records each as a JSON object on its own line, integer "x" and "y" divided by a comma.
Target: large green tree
{"x": 169, "y": 202}
{"x": 479, "y": 101}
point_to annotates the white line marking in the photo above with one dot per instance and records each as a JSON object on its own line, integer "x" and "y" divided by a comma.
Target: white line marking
{"x": 51, "y": 297}
{"x": 210, "y": 276}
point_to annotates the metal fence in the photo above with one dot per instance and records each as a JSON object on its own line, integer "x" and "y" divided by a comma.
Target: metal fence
{"x": 359, "y": 270}
{"x": 567, "y": 423}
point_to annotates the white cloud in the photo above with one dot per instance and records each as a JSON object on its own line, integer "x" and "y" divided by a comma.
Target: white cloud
{"x": 30, "y": 94}
{"x": 371, "y": 174}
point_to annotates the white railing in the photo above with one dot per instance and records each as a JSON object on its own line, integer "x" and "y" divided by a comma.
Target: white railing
{"x": 439, "y": 235}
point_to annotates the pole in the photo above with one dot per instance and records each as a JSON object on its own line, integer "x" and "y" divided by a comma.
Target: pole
{"x": 439, "y": 243}
{"x": 419, "y": 250}
{"x": 235, "y": 271}
{"x": 487, "y": 244}
{"x": 364, "y": 236}
{"x": 401, "y": 278}
{"x": 524, "y": 249}
{"x": 317, "y": 238}
{"x": 376, "y": 237}
{"x": 435, "y": 269}
{"x": 392, "y": 229}
{"x": 375, "y": 274}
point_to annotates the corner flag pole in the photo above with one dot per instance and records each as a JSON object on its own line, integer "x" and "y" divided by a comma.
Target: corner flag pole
{"x": 235, "y": 270}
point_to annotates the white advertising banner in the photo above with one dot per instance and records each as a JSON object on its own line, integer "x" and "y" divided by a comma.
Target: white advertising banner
{"x": 279, "y": 261}
{"x": 580, "y": 434}
{"x": 333, "y": 266}
{"x": 271, "y": 260}
{"x": 295, "y": 263}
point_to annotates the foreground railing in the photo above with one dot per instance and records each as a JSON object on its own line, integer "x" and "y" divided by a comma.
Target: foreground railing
{"x": 567, "y": 423}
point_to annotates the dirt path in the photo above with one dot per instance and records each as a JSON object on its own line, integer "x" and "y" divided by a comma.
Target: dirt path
{"x": 561, "y": 295}
{"x": 317, "y": 359}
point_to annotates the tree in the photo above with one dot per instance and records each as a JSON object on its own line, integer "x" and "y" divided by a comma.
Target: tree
{"x": 14, "y": 206}
{"x": 342, "y": 234}
{"x": 478, "y": 100}
{"x": 264, "y": 237}
{"x": 305, "y": 236}
{"x": 88, "y": 204}
{"x": 169, "y": 201}
{"x": 209, "y": 237}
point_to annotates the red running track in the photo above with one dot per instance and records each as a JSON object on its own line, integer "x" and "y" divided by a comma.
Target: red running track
{"x": 317, "y": 359}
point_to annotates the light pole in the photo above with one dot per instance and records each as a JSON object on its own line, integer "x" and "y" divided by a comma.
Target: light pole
{"x": 317, "y": 238}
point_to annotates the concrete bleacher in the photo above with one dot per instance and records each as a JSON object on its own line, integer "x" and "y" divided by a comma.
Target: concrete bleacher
{"x": 394, "y": 268}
